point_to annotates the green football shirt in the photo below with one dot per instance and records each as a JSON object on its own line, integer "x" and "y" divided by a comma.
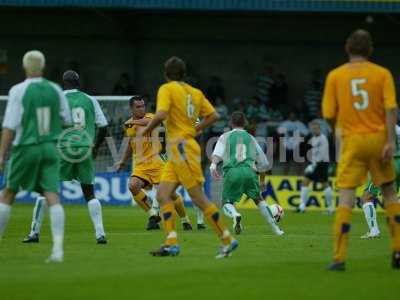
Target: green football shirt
{"x": 238, "y": 148}
{"x": 36, "y": 111}
{"x": 86, "y": 115}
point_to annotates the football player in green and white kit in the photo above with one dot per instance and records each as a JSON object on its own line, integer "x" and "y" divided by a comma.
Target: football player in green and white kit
{"x": 77, "y": 155}
{"x": 36, "y": 111}
{"x": 371, "y": 192}
{"x": 242, "y": 157}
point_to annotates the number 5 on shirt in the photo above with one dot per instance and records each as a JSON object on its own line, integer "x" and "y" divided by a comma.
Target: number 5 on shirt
{"x": 357, "y": 91}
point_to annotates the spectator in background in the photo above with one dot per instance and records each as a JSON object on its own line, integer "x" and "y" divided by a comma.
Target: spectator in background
{"x": 253, "y": 109}
{"x": 293, "y": 132}
{"x": 274, "y": 115}
{"x": 279, "y": 93}
{"x": 219, "y": 126}
{"x": 313, "y": 96}
{"x": 264, "y": 84}
{"x": 237, "y": 104}
{"x": 323, "y": 124}
{"x": 215, "y": 90}
{"x": 252, "y": 112}
{"x": 191, "y": 77}
{"x": 123, "y": 86}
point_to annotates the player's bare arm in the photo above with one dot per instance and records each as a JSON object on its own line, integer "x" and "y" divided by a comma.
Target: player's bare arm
{"x": 100, "y": 137}
{"x": 121, "y": 164}
{"x": 215, "y": 160}
{"x": 158, "y": 118}
{"x": 207, "y": 121}
{"x": 142, "y": 122}
{"x": 7, "y": 136}
{"x": 389, "y": 148}
{"x": 262, "y": 176}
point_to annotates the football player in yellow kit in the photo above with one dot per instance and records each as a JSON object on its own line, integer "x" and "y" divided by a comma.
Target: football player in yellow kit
{"x": 179, "y": 105}
{"x": 360, "y": 99}
{"x": 147, "y": 164}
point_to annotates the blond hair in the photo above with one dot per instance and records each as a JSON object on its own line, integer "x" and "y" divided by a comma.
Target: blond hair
{"x": 33, "y": 62}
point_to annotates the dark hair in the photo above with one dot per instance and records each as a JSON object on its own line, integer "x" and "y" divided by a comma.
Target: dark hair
{"x": 175, "y": 68}
{"x": 135, "y": 98}
{"x": 359, "y": 43}
{"x": 238, "y": 119}
{"x": 71, "y": 79}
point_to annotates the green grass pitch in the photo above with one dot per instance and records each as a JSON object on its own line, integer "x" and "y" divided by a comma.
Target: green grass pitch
{"x": 264, "y": 266}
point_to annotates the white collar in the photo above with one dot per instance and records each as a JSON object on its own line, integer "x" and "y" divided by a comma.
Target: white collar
{"x": 34, "y": 79}
{"x": 70, "y": 91}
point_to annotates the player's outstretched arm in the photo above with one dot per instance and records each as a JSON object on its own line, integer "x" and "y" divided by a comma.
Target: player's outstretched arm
{"x": 142, "y": 122}
{"x": 262, "y": 181}
{"x": 391, "y": 120}
{"x": 207, "y": 121}
{"x": 159, "y": 117}
{"x": 217, "y": 156}
{"x": 124, "y": 159}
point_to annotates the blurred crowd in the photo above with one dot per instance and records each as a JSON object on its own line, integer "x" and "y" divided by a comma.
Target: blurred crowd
{"x": 270, "y": 109}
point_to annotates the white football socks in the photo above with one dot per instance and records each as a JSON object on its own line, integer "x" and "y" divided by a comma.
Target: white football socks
{"x": 38, "y": 215}
{"x": 95, "y": 213}
{"x": 230, "y": 211}
{"x": 328, "y": 199}
{"x": 5, "y": 211}
{"x": 267, "y": 214}
{"x": 155, "y": 207}
{"x": 370, "y": 217}
{"x": 57, "y": 220}
{"x": 185, "y": 219}
{"x": 303, "y": 198}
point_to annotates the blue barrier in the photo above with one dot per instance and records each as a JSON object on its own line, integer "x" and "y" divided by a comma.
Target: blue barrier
{"x": 110, "y": 188}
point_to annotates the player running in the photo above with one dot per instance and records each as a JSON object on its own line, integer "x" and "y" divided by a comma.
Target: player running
{"x": 77, "y": 157}
{"x": 317, "y": 171}
{"x": 242, "y": 157}
{"x": 360, "y": 97}
{"x": 148, "y": 164}
{"x": 36, "y": 111}
{"x": 179, "y": 105}
{"x": 371, "y": 192}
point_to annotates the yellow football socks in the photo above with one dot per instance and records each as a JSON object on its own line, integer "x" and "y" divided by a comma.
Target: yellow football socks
{"x": 342, "y": 229}
{"x": 393, "y": 218}
{"x": 180, "y": 207}
{"x": 214, "y": 218}
{"x": 168, "y": 216}
{"x": 142, "y": 201}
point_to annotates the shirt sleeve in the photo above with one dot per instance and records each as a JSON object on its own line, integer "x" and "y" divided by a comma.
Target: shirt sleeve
{"x": 389, "y": 91}
{"x": 220, "y": 147}
{"x": 282, "y": 129}
{"x": 261, "y": 158}
{"x": 65, "y": 112}
{"x": 206, "y": 108}
{"x": 163, "y": 99}
{"x": 329, "y": 101}
{"x": 100, "y": 118}
{"x": 14, "y": 110}
{"x": 303, "y": 128}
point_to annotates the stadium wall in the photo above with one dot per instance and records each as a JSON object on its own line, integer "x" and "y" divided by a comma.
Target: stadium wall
{"x": 235, "y": 47}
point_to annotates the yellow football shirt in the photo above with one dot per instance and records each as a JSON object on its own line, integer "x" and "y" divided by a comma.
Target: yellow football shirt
{"x": 145, "y": 149}
{"x": 184, "y": 105}
{"x": 356, "y": 95}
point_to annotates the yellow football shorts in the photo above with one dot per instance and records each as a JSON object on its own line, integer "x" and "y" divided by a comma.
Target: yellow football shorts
{"x": 149, "y": 172}
{"x": 184, "y": 164}
{"x": 360, "y": 154}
